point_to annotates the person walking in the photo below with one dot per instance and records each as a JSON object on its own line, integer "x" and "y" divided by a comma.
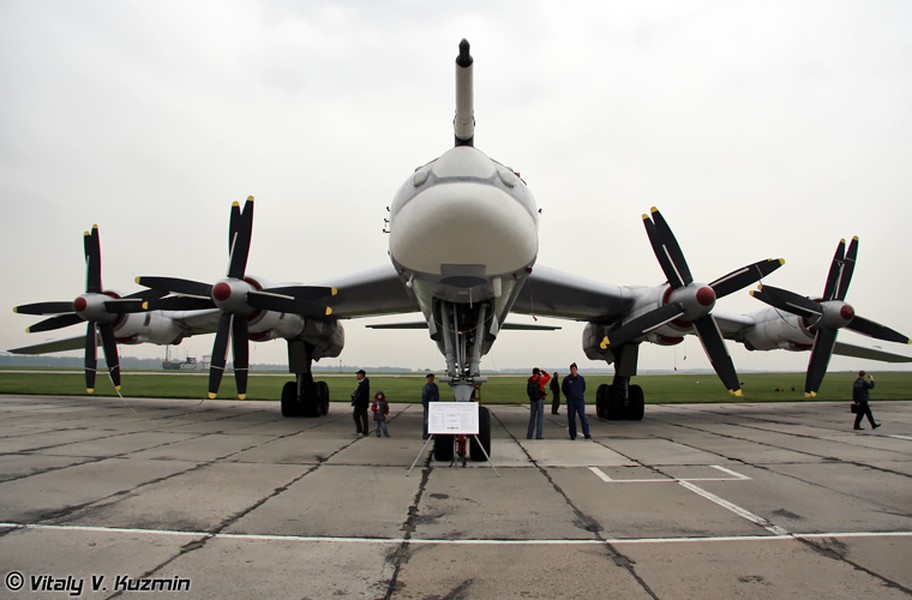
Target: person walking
{"x": 429, "y": 393}
{"x": 381, "y": 408}
{"x": 574, "y": 388}
{"x": 861, "y": 394}
{"x": 555, "y": 393}
{"x": 360, "y": 402}
{"x": 535, "y": 389}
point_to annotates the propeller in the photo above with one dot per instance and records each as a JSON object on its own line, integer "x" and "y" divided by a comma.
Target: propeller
{"x": 690, "y": 302}
{"x": 100, "y": 309}
{"x": 238, "y": 297}
{"x": 825, "y": 317}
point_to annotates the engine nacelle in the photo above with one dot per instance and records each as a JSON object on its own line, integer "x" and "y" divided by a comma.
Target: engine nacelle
{"x": 149, "y": 327}
{"x": 776, "y": 330}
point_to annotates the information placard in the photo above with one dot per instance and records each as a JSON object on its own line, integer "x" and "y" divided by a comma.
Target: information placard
{"x": 453, "y": 418}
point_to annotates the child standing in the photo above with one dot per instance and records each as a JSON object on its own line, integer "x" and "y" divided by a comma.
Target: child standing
{"x": 380, "y": 408}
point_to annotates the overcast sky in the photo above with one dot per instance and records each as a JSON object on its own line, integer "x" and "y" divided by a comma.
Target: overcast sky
{"x": 760, "y": 129}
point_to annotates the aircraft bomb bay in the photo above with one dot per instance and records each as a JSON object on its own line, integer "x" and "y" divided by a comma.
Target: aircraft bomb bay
{"x": 710, "y": 501}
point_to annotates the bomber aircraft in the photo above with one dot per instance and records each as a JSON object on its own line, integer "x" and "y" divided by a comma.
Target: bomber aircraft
{"x": 463, "y": 243}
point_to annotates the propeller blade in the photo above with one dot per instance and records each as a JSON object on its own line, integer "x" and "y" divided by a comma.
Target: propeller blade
{"x": 661, "y": 254}
{"x": 643, "y": 324}
{"x": 268, "y": 300}
{"x": 832, "y": 281}
{"x": 820, "y": 358}
{"x": 44, "y": 308}
{"x": 745, "y": 276}
{"x": 718, "y": 355}
{"x": 671, "y": 244}
{"x": 847, "y": 269}
{"x": 180, "y": 303}
{"x": 55, "y": 323}
{"x": 110, "y": 351}
{"x": 876, "y": 330}
{"x": 789, "y": 302}
{"x": 241, "y": 353}
{"x": 175, "y": 285}
{"x": 91, "y": 353}
{"x": 120, "y": 306}
{"x": 219, "y": 350}
{"x": 93, "y": 260}
{"x": 241, "y": 234}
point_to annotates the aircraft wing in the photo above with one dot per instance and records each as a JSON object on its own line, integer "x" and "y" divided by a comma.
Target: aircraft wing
{"x": 73, "y": 343}
{"x": 552, "y": 293}
{"x": 375, "y": 292}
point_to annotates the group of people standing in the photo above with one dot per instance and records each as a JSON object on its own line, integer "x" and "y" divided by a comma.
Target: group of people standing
{"x": 573, "y": 388}
{"x": 361, "y": 401}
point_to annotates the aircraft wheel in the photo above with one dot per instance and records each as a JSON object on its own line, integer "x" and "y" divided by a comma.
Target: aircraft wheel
{"x": 309, "y": 401}
{"x": 290, "y": 406}
{"x": 322, "y": 397}
{"x": 484, "y": 436}
{"x": 601, "y": 399}
{"x": 614, "y": 405}
{"x": 636, "y": 404}
{"x": 443, "y": 448}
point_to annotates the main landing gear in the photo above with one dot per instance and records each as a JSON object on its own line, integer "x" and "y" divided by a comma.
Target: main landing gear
{"x": 620, "y": 400}
{"x": 303, "y": 397}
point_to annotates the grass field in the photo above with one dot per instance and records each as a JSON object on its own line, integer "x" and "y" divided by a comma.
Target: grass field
{"x": 658, "y": 389}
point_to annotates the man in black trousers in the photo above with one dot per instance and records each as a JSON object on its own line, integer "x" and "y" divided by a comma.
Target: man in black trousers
{"x": 361, "y": 399}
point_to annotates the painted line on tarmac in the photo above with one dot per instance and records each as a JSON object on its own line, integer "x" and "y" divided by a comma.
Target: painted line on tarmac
{"x": 449, "y": 542}
{"x": 901, "y": 437}
{"x": 733, "y": 476}
{"x": 741, "y": 512}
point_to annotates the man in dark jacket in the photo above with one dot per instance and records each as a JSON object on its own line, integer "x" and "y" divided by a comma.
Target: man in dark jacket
{"x": 861, "y": 394}
{"x": 574, "y": 389}
{"x": 361, "y": 399}
{"x": 555, "y": 393}
{"x": 429, "y": 393}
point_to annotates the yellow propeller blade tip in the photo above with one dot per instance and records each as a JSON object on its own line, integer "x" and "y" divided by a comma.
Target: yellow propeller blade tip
{"x": 212, "y": 396}
{"x": 654, "y": 209}
{"x": 242, "y": 396}
{"x": 855, "y": 237}
{"x": 145, "y": 305}
{"x": 605, "y": 343}
{"x": 909, "y": 341}
{"x": 90, "y": 390}
{"x": 645, "y": 217}
{"x": 15, "y": 309}
{"x": 334, "y": 291}
{"x": 236, "y": 203}
{"x": 329, "y": 311}
{"x": 781, "y": 261}
{"x": 28, "y": 329}
{"x": 249, "y": 198}
{"x": 810, "y": 394}
{"x": 86, "y": 234}
{"x": 138, "y": 280}
{"x": 738, "y": 392}
{"x": 117, "y": 387}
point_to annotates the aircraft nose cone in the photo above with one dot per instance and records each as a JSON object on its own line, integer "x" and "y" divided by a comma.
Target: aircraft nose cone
{"x": 847, "y": 312}
{"x": 80, "y": 304}
{"x": 706, "y": 296}
{"x": 221, "y": 291}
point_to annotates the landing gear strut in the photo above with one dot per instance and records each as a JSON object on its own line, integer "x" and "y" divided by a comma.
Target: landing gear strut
{"x": 303, "y": 397}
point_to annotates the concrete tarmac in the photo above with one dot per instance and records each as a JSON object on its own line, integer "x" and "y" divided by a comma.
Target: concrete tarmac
{"x": 227, "y": 499}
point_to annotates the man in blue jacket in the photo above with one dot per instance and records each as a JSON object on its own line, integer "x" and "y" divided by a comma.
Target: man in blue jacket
{"x": 574, "y": 388}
